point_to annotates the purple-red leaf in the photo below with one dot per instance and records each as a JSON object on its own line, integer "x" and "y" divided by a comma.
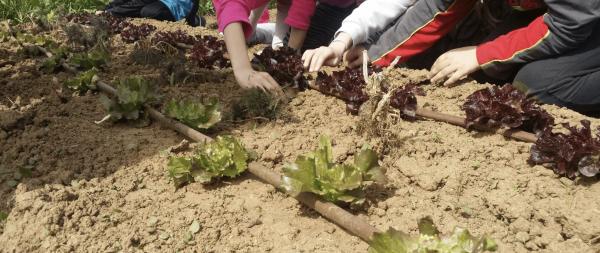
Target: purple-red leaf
{"x": 284, "y": 65}
{"x": 347, "y": 85}
{"x": 173, "y": 38}
{"x": 495, "y": 107}
{"x": 404, "y": 99}
{"x": 577, "y": 152}
{"x": 133, "y": 33}
{"x": 208, "y": 53}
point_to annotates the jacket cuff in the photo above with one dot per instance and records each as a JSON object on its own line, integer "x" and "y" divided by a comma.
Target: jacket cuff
{"x": 355, "y": 31}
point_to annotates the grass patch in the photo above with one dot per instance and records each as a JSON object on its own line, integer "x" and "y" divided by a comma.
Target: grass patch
{"x": 23, "y": 10}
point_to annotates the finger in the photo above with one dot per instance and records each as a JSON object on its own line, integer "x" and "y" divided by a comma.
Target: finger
{"x": 355, "y": 63}
{"x": 270, "y": 84}
{"x": 350, "y": 56}
{"x": 319, "y": 62}
{"x": 438, "y": 65}
{"x": 306, "y": 57}
{"x": 458, "y": 75}
{"x": 443, "y": 74}
{"x": 313, "y": 61}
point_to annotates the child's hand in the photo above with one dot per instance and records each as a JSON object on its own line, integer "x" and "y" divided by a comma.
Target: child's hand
{"x": 250, "y": 78}
{"x": 454, "y": 65}
{"x": 354, "y": 56}
{"x": 314, "y": 59}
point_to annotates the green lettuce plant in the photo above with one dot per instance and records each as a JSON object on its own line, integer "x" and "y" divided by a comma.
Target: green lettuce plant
{"x": 224, "y": 157}
{"x": 53, "y": 64}
{"x": 97, "y": 57}
{"x": 315, "y": 172}
{"x": 83, "y": 82}
{"x": 194, "y": 113}
{"x": 430, "y": 241}
{"x": 132, "y": 94}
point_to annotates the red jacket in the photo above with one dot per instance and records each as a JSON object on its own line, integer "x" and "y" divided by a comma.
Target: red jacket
{"x": 566, "y": 25}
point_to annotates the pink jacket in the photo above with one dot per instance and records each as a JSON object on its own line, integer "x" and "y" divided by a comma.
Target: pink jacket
{"x": 231, "y": 11}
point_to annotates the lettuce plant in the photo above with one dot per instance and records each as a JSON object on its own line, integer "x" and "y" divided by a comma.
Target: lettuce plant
{"x": 284, "y": 64}
{"x": 208, "y": 53}
{"x": 195, "y": 114}
{"x": 404, "y": 99}
{"x": 132, "y": 94}
{"x": 133, "y": 33}
{"x": 571, "y": 154}
{"x": 83, "y": 82}
{"x": 348, "y": 85}
{"x": 494, "y": 107}
{"x": 316, "y": 173}
{"x": 53, "y": 64}
{"x": 430, "y": 241}
{"x": 98, "y": 57}
{"x": 224, "y": 157}
{"x": 172, "y": 38}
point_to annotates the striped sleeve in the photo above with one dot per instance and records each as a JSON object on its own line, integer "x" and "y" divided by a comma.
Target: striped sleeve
{"x": 419, "y": 29}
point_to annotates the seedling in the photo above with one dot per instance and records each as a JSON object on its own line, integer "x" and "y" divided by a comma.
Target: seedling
{"x": 208, "y": 53}
{"x": 570, "y": 155}
{"x": 429, "y": 240}
{"x": 132, "y": 94}
{"x": 284, "y": 64}
{"x": 98, "y": 57}
{"x": 133, "y": 33}
{"x": 195, "y": 114}
{"x": 83, "y": 82}
{"x": 224, "y": 157}
{"x": 315, "y": 172}
{"x": 494, "y": 107}
{"x": 347, "y": 85}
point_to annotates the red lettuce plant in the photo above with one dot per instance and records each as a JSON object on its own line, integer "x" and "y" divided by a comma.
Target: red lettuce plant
{"x": 577, "y": 152}
{"x": 208, "y": 53}
{"x": 173, "y": 38}
{"x": 134, "y": 33}
{"x": 347, "y": 85}
{"x": 404, "y": 99}
{"x": 113, "y": 23}
{"x": 284, "y": 64}
{"x": 494, "y": 107}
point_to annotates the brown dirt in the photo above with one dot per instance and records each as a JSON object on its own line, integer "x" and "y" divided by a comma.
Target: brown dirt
{"x": 104, "y": 188}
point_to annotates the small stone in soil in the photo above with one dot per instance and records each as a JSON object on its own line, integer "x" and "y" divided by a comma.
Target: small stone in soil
{"x": 195, "y": 227}
{"x": 152, "y": 221}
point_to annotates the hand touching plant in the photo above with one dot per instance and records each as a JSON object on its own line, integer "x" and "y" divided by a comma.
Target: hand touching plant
{"x": 331, "y": 55}
{"x": 244, "y": 74}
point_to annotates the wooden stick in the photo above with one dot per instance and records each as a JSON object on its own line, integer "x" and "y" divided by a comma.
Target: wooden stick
{"x": 332, "y": 212}
{"x": 459, "y": 121}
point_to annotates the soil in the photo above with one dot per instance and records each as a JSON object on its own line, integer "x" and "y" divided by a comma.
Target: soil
{"x": 103, "y": 188}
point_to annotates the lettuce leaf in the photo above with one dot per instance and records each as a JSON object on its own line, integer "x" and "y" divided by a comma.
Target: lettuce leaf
{"x": 224, "y": 157}
{"x": 574, "y": 153}
{"x": 132, "y": 94}
{"x": 495, "y": 107}
{"x": 430, "y": 241}
{"x": 316, "y": 173}
{"x": 195, "y": 114}
{"x": 83, "y": 82}
{"x": 98, "y": 57}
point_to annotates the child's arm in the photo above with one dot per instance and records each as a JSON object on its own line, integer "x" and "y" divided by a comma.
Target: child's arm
{"x": 297, "y": 16}
{"x": 367, "y": 19}
{"x": 297, "y": 37}
{"x": 238, "y": 54}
